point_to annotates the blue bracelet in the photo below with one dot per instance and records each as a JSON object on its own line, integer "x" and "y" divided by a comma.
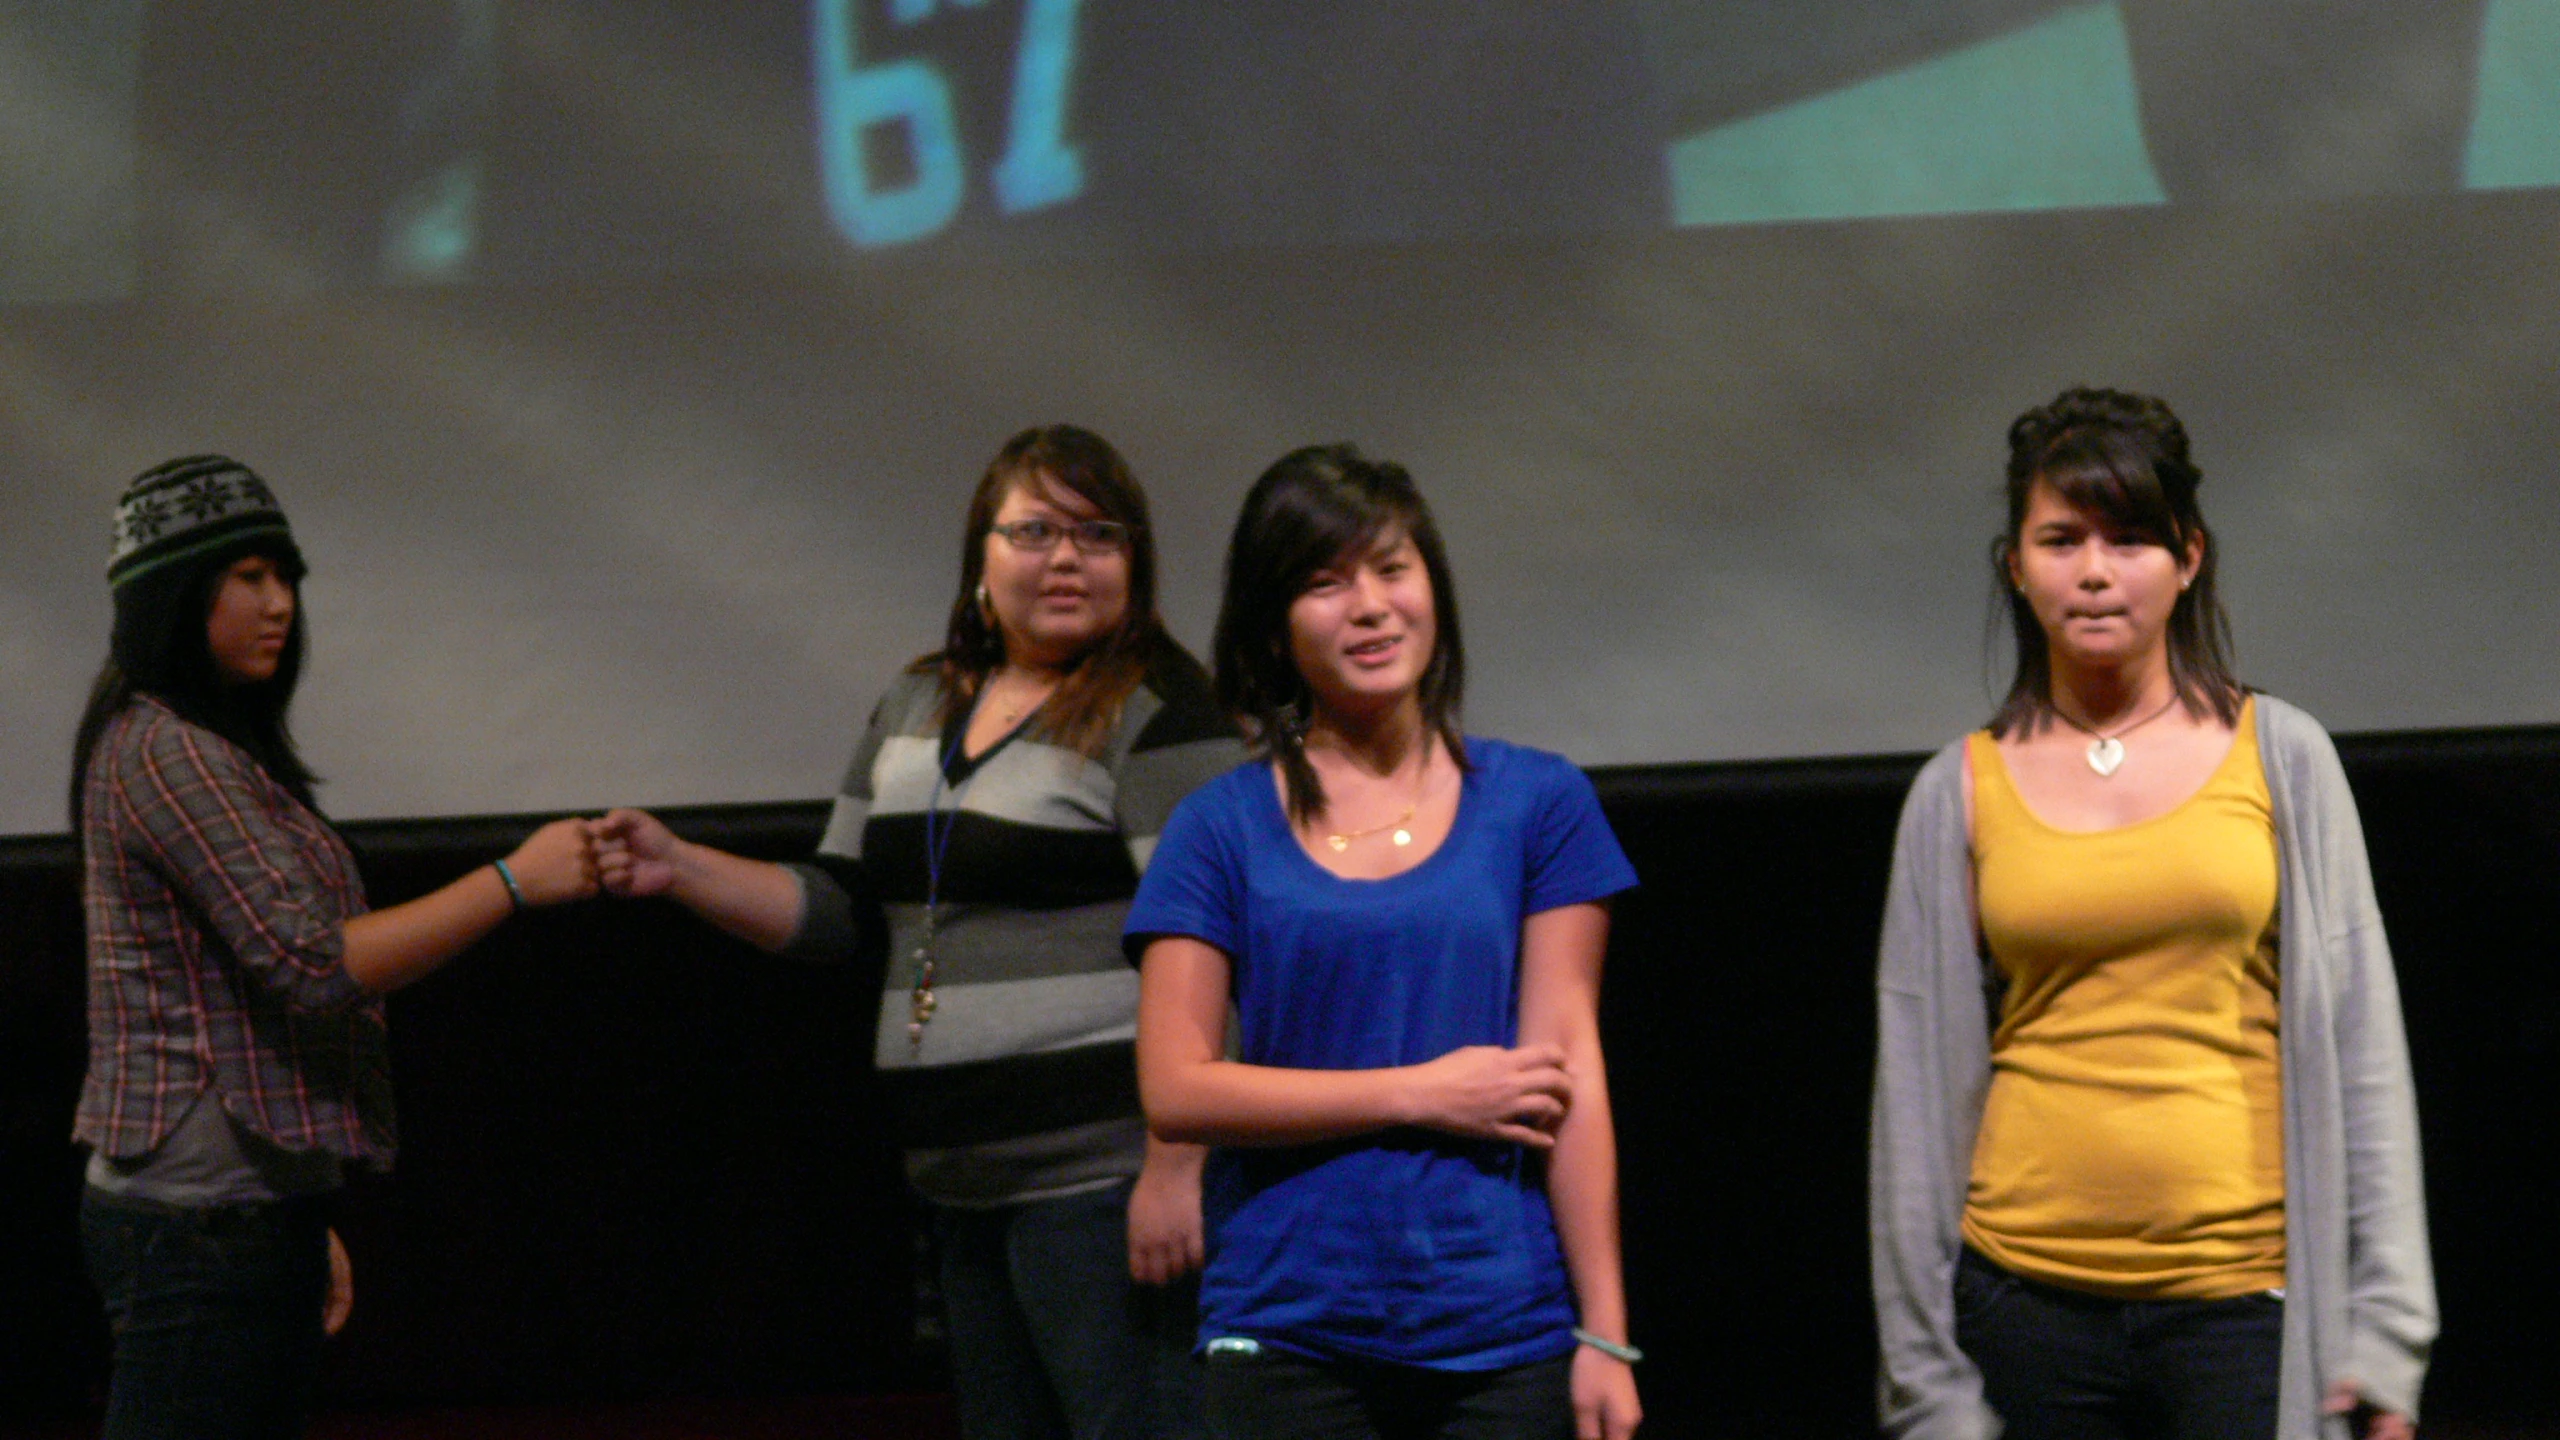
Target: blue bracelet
{"x": 507, "y": 878}
{"x": 1615, "y": 1350}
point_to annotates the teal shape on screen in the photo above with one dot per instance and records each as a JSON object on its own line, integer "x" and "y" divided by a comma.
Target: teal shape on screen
{"x": 2044, "y": 117}
{"x": 2515, "y": 128}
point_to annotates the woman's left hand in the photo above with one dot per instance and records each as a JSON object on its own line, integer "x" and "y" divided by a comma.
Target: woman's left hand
{"x": 342, "y": 1287}
{"x": 2367, "y": 1420}
{"x": 556, "y": 863}
{"x": 1166, "y": 1239}
{"x": 1604, "y": 1396}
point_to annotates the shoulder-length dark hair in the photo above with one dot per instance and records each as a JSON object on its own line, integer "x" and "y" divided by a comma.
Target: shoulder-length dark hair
{"x": 1311, "y": 509}
{"x": 2123, "y": 457}
{"x": 1088, "y": 703}
{"x": 162, "y": 648}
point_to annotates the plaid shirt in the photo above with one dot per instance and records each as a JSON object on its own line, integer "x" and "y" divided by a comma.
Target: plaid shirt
{"x": 216, "y": 912}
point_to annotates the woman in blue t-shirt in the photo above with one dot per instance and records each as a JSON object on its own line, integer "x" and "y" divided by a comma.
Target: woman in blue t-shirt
{"x": 1413, "y": 1209}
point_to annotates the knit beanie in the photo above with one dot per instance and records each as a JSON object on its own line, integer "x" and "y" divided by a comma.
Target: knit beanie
{"x": 176, "y": 521}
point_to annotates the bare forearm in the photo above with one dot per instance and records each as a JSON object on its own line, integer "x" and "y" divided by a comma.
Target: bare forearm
{"x": 1174, "y": 1159}
{"x": 390, "y": 948}
{"x": 387, "y": 949}
{"x": 1582, "y": 1188}
{"x": 1559, "y": 1005}
{"x": 1227, "y": 1102}
{"x": 1194, "y": 1094}
{"x": 755, "y": 900}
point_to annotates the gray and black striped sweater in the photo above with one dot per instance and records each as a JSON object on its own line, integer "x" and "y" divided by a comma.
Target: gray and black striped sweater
{"x": 1025, "y": 1085}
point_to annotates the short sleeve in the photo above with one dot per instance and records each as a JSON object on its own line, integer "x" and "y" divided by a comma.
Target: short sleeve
{"x": 1195, "y": 884}
{"x": 1573, "y": 855}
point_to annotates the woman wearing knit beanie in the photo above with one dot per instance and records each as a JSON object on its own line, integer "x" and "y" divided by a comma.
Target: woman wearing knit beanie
{"x": 237, "y": 1060}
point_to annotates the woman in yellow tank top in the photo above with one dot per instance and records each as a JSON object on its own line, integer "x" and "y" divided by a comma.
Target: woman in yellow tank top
{"x": 2119, "y": 1256}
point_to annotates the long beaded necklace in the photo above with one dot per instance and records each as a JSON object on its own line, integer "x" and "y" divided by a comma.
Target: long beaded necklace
{"x": 938, "y": 825}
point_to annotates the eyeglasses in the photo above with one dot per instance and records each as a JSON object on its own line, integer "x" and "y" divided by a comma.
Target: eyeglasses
{"x": 1092, "y": 537}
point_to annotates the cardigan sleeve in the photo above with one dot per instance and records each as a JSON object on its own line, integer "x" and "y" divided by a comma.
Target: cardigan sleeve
{"x": 2390, "y": 1290}
{"x": 1932, "y": 1068}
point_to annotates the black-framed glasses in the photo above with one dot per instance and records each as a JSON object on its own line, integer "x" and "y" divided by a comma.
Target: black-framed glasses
{"x": 1093, "y": 537}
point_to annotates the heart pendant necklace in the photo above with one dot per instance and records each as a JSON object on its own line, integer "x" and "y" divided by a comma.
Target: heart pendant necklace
{"x": 2106, "y": 752}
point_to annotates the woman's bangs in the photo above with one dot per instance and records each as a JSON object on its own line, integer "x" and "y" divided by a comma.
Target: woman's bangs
{"x": 1352, "y": 526}
{"x": 2120, "y": 489}
{"x": 1089, "y": 484}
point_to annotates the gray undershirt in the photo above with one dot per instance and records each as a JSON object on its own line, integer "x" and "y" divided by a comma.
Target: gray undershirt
{"x": 208, "y": 1159}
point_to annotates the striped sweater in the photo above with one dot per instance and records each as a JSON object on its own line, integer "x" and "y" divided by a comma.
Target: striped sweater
{"x": 1025, "y": 1084}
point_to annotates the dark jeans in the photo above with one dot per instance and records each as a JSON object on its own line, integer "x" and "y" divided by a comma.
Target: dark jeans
{"x": 2062, "y": 1365}
{"x": 1050, "y": 1338}
{"x": 1271, "y": 1396}
{"x": 215, "y": 1312}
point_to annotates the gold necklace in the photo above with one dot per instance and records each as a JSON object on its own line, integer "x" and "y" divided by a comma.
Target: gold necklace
{"x": 1402, "y": 837}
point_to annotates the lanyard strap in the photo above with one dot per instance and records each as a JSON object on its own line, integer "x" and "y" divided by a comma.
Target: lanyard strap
{"x": 938, "y": 826}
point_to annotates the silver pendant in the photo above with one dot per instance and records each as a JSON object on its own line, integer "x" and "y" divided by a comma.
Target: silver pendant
{"x": 2105, "y": 754}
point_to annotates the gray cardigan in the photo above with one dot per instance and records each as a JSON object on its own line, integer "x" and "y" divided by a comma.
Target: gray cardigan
{"x": 2359, "y": 1290}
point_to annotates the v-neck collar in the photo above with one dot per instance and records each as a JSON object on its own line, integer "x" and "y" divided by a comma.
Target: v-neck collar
{"x": 958, "y": 766}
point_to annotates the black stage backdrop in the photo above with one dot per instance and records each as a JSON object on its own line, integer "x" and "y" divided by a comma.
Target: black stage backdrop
{"x": 642, "y": 1161}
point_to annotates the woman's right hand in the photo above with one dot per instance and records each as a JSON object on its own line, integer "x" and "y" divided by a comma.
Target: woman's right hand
{"x": 386, "y": 949}
{"x": 1488, "y": 1092}
{"x": 557, "y": 863}
{"x": 636, "y": 853}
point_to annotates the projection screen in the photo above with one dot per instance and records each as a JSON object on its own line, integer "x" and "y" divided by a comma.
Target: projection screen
{"x": 625, "y": 367}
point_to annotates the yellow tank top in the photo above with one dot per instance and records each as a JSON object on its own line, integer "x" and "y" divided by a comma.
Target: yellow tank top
{"x": 2132, "y": 1142}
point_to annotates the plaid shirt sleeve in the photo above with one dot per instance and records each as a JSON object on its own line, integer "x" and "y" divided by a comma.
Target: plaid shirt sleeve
{"x": 199, "y": 809}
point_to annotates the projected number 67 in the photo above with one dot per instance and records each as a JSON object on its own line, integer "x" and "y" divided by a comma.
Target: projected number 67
{"x": 1038, "y": 167}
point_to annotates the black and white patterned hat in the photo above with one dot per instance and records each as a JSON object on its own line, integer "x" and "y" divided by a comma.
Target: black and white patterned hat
{"x": 186, "y": 508}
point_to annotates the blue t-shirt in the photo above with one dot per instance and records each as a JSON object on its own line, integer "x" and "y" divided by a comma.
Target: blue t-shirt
{"x": 1408, "y": 1246}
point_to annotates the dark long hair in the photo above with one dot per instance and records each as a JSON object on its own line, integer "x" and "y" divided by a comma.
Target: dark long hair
{"x": 1080, "y": 716}
{"x": 2124, "y": 457}
{"x": 161, "y": 649}
{"x": 1310, "y": 509}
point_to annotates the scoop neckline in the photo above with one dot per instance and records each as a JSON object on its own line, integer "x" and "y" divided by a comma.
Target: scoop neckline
{"x": 1275, "y": 810}
{"x": 2244, "y": 727}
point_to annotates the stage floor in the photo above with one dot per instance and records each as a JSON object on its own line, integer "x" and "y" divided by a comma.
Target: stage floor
{"x": 815, "y": 1417}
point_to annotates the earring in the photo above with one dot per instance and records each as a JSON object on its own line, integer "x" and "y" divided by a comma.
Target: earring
{"x": 986, "y": 607}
